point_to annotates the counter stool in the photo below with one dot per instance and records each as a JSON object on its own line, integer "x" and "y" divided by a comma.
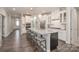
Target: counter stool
{"x": 43, "y": 44}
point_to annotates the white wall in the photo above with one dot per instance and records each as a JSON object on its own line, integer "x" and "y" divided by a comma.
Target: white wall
{"x": 74, "y": 25}
{"x": 0, "y": 30}
{"x": 68, "y": 21}
{"x": 23, "y": 24}
{"x": 13, "y": 22}
{"x": 71, "y": 26}
{"x": 78, "y": 21}
{"x": 8, "y": 23}
{"x": 55, "y": 14}
{"x": 3, "y": 12}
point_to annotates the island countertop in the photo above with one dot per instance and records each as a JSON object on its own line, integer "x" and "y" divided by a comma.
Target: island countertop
{"x": 44, "y": 31}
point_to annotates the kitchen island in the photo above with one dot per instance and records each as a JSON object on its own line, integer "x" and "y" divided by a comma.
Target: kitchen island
{"x": 47, "y": 40}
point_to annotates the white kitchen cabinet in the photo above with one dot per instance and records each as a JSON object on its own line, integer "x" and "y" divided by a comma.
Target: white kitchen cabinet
{"x": 55, "y": 15}
{"x": 0, "y": 30}
{"x": 62, "y": 16}
{"x": 62, "y": 35}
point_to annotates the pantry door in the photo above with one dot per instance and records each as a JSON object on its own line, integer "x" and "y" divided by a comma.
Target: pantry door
{"x": 0, "y": 30}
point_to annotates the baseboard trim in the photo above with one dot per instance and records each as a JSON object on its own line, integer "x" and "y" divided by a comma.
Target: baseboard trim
{"x": 10, "y": 33}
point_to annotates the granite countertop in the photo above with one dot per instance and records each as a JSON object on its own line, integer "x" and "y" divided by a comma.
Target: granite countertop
{"x": 43, "y": 31}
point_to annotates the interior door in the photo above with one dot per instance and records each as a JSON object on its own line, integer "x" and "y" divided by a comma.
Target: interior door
{"x": 0, "y": 30}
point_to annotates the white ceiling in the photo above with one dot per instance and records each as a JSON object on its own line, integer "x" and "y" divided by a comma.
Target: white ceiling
{"x": 24, "y": 10}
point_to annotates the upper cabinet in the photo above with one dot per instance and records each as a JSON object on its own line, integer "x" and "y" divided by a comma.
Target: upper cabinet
{"x": 58, "y": 19}
{"x": 62, "y": 17}
{"x": 55, "y": 15}
{"x": 59, "y": 15}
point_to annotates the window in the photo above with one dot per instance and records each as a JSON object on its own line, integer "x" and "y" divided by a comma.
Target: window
{"x": 17, "y": 22}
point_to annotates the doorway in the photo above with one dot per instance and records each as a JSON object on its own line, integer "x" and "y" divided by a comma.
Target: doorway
{"x": 17, "y": 23}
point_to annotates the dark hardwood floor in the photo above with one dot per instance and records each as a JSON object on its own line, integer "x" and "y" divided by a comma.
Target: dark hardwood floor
{"x": 16, "y": 43}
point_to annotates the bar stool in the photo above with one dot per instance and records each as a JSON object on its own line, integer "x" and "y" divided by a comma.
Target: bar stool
{"x": 35, "y": 42}
{"x": 41, "y": 43}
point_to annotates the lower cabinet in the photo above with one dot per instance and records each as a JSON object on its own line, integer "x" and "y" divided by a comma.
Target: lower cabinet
{"x": 62, "y": 35}
{"x": 53, "y": 41}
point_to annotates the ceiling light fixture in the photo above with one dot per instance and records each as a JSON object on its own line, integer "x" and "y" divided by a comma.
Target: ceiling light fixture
{"x": 39, "y": 15}
{"x": 31, "y": 9}
{"x": 14, "y": 9}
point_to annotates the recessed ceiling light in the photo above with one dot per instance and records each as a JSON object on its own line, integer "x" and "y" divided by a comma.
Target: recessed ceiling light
{"x": 39, "y": 15}
{"x": 14, "y": 9}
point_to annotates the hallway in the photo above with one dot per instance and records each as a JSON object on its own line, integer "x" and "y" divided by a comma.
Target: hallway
{"x": 16, "y": 43}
